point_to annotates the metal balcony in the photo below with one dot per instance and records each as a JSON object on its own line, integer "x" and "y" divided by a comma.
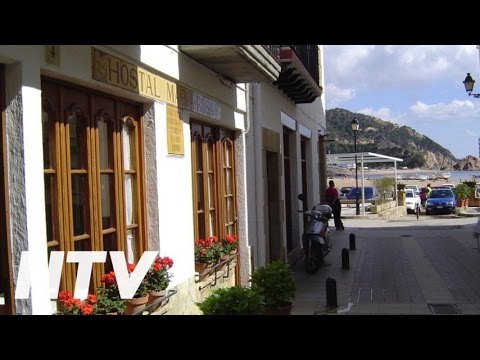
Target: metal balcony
{"x": 239, "y": 63}
{"x": 299, "y": 78}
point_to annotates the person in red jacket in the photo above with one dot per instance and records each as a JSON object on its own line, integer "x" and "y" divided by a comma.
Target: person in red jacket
{"x": 334, "y": 202}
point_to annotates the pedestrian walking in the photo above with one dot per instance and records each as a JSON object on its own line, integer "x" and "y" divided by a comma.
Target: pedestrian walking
{"x": 428, "y": 190}
{"x": 334, "y": 202}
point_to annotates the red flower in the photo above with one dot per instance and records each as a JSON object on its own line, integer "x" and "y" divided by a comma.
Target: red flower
{"x": 229, "y": 244}
{"x": 142, "y": 289}
{"x": 67, "y": 305}
{"x": 110, "y": 279}
{"x": 207, "y": 251}
{"x": 87, "y": 309}
{"x": 158, "y": 276}
{"x": 131, "y": 268}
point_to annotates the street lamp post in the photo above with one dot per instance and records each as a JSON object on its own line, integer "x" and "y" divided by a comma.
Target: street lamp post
{"x": 355, "y": 127}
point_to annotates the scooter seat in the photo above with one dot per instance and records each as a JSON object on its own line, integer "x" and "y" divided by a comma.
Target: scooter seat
{"x": 326, "y": 210}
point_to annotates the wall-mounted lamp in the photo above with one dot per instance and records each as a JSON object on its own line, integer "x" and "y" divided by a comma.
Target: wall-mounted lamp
{"x": 469, "y": 82}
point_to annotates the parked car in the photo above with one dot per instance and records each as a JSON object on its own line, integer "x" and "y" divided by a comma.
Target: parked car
{"x": 413, "y": 187}
{"x": 344, "y": 191}
{"x": 450, "y": 186}
{"x": 440, "y": 200}
{"x": 412, "y": 201}
{"x": 370, "y": 193}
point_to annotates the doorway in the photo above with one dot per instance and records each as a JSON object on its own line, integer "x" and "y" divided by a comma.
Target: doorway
{"x": 273, "y": 198}
{"x": 288, "y": 187}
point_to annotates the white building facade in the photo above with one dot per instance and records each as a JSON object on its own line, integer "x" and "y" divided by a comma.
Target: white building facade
{"x": 286, "y": 142}
{"x": 144, "y": 147}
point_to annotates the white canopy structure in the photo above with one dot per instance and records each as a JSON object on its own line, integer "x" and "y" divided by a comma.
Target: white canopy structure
{"x": 362, "y": 158}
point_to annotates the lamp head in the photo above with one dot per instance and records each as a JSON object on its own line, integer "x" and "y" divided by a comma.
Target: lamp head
{"x": 355, "y": 125}
{"x": 468, "y": 82}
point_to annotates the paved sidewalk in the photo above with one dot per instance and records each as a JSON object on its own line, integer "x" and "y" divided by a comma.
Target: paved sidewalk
{"x": 400, "y": 266}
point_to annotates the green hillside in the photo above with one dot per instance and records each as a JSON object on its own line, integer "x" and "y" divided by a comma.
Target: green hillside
{"x": 383, "y": 137}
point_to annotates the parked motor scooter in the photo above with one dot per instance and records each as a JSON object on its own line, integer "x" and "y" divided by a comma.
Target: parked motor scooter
{"x": 316, "y": 239}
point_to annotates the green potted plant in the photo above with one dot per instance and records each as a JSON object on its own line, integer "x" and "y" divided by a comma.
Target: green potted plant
{"x": 158, "y": 278}
{"x": 276, "y": 283}
{"x": 140, "y": 298}
{"x": 207, "y": 253}
{"x": 462, "y": 192}
{"x": 233, "y": 301}
{"x": 108, "y": 296}
{"x": 471, "y": 184}
{"x": 107, "y": 303}
{"x": 229, "y": 244}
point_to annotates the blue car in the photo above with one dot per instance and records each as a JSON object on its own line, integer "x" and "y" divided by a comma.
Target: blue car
{"x": 369, "y": 193}
{"x": 440, "y": 201}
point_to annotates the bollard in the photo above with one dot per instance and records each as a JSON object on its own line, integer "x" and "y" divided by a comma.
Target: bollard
{"x": 352, "y": 241}
{"x": 345, "y": 259}
{"x": 331, "y": 286}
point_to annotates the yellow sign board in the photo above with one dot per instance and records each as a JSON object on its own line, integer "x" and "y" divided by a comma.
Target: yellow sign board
{"x": 174, "y": 131}
{"x": 115, "y": 71}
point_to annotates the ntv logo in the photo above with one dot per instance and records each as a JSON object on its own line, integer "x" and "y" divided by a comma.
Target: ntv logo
{"x": 127, "y": 284}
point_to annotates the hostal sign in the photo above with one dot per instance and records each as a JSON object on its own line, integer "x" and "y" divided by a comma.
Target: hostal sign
{"x": 115, "y": 71}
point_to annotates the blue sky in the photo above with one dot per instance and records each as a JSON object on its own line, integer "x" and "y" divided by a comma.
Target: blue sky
{"x": 419, "y": 86}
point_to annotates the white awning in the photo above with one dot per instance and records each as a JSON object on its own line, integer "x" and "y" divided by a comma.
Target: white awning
{"x": 367, "y": 157}
{"x": 362, "y": 158}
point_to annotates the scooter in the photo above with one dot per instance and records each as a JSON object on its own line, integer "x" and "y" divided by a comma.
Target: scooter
{"x": 316, "y": 239}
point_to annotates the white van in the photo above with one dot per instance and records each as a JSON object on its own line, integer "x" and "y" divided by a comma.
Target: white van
{"x": 414, "y": 188}
{"x": 412, "y": 200}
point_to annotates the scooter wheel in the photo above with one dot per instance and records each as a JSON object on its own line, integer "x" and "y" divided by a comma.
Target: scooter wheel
{"x": 310, "y": 264}
{"x": 314, "y": 258}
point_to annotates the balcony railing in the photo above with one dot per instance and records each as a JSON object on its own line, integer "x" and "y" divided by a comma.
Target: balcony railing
{"x": 308, "y": 54}
{"x": 299, "y": 78}
{"x": 273, "y": 50}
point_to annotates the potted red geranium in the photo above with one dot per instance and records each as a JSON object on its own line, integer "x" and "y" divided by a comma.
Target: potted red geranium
{"x": 158, "y": 278}
{"x": 207, "y": 253}
{"x": 67, "y": 305}
{"x": 230, "y": 244}
{"x": 140, "y": 298}
{"x": 108, "y": 296}
{"x": 229, "y": 247}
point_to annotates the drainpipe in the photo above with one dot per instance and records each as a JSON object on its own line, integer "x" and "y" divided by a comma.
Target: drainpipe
{"x": 259, "y": 195}
{"x": 257, "y": 161}
{"x": 322, "y": 168}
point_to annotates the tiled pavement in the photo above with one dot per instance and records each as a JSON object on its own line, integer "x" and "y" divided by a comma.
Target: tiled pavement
{"x": 399, "y": 267}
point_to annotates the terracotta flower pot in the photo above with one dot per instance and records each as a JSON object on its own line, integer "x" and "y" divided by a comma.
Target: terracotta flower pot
{"x": 135, "y": 305}
{"x": 203, "y": 269}
{"x": 281, "y": 310}
{"x": 155, "y": 295}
